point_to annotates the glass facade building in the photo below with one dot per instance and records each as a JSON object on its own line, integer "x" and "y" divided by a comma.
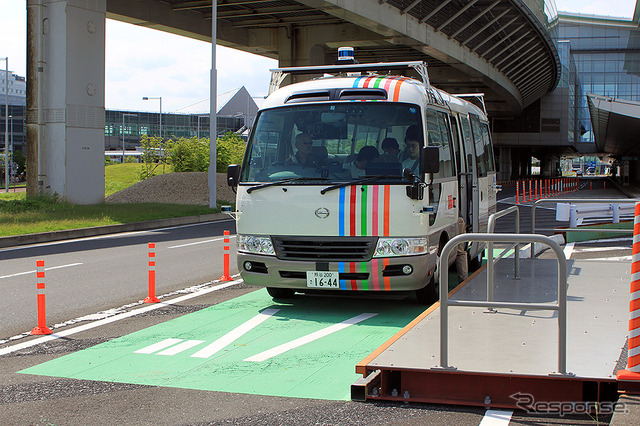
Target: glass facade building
{"x": 606, "y": 53}
{"x": 133, "y": 125}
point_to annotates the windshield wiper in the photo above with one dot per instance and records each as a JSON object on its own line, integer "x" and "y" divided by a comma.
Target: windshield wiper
{"x": 283, "y": 181}
{"x": 362, "y": 181}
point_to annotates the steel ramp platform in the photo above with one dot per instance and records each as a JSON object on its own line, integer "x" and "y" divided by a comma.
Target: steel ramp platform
{"x": 510, "y": 358}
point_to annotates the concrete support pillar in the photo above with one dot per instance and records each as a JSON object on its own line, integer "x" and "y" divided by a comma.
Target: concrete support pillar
{"x": 70, "y": 144}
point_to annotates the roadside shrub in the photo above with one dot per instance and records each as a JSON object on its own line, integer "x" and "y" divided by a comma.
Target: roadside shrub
{"x": 230, "y": 150}
{"x": 189, "y": 155}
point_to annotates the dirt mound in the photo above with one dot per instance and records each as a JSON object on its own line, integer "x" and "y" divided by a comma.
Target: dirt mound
{"x": 176, "y": 188}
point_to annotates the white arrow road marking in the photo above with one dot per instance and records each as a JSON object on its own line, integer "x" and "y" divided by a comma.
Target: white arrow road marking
{"x": 234, "y": 334}
{"x": 496, "y": 418}
{"x": 158, "y": 346}
{"x": 180, "y": 347}
{"x": 278, "y": 350}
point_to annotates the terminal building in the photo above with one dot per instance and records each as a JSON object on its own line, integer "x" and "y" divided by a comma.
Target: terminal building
{"x": 236, "y": 113}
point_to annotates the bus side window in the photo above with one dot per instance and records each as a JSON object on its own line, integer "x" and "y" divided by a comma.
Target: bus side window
{"x": 481, "y": 154}
{"x": 468, "y": 144}
{"x": 456, "y": 143}
{"x": 438, "y": 134}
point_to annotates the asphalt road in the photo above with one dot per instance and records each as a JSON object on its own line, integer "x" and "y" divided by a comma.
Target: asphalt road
{"x": 104, "y": 273}
{"x": 90, "y": 275}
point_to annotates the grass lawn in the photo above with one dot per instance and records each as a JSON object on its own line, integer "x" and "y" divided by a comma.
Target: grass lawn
{"x": 19, "y": 215}
{"x": 120, "y": 176}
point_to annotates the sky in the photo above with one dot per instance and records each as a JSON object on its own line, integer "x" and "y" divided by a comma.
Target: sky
{"x": 143, "y": 62}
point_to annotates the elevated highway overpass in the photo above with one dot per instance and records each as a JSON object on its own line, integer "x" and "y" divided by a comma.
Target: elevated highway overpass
{"x": 501, "y": 48}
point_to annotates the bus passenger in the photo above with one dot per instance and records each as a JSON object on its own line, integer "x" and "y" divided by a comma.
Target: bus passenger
{"x": 366, "y": 154}
{"x": 412, "y": 143}
{"x": 391, "y": 151}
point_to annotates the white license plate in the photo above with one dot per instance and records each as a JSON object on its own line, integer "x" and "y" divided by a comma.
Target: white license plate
{"x": 323, "y": 279}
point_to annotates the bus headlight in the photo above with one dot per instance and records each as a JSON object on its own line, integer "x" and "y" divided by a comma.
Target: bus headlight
{"x": 390, "y": 247}
{"x": 255, "y": 244}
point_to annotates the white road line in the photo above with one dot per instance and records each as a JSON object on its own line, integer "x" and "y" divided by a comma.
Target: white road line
{"x": 597, "y": 249}
{"x": 181, "y": 347}
{"x": 496, "y": 418}
{"x": 614, "y": 259}
{"x": 234, "y": 334}
{"x": 568, "y": 249}
{"x": 158, "y": 346}
{"x": 200, "y": 242}
{"x": 34, "y": 271}
{"x": 116, "y": 235}
{"x": 278, "y": 350}
{"x": 68, "y": 332}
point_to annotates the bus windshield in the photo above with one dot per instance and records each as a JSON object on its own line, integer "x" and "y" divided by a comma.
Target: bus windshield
{"x": 334, "y": 142}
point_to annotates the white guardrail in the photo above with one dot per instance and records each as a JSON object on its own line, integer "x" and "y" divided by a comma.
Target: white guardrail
{"x": 580, "y": 208}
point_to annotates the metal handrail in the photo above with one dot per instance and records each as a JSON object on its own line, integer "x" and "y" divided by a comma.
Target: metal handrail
{"x": 516, "y": 258}
{"x": 580, "y": 200}
{"x": 560, "y": 307}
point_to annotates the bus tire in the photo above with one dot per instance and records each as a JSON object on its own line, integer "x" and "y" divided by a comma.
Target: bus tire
{"x": 475, "y": 262}
{"x": 280, "y": 293}
{"x": 428, "y": 294}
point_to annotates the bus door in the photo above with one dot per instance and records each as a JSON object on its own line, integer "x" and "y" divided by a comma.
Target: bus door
{"x": 464, "y": 172}
{"x": 470, "y": 175}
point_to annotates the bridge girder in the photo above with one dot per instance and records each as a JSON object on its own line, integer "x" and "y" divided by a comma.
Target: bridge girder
{"x": 499, "y": 47}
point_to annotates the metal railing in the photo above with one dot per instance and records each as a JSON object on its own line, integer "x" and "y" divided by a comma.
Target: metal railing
{"x": 491, "y": 224}
{"x": 560, "y": 307}
{"x": 581, "y": 200}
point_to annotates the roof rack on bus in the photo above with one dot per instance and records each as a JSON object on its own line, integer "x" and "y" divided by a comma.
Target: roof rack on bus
{"x": 278, "y": 74}
{"x": 478, "y": 96}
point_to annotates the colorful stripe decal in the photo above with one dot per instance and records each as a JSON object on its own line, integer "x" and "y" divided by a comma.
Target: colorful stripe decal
{"x": 375, "y": 278}
{"x": 391, "y": 84}
{"x": 352, "y": 211}
{"x": 341, "y": 212}
{"x": 365, "y": 211}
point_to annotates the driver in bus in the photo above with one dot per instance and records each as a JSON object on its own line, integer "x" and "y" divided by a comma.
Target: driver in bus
{"x": 304, "y": 147}
{"x": 412, "y": 147}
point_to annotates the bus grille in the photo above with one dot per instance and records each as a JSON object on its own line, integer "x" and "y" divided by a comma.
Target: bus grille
{"x": 338, "y": 249}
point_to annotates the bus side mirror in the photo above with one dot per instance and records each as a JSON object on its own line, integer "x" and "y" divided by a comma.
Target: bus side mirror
{"x": 430, "y": 159}
{"x": 233, "y": 175}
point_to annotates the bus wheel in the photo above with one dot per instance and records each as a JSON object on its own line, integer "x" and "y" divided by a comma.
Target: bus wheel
{"x": 428, "y": 294}
{"x": 476, "y": 262}
{"x": 280, "y": 293}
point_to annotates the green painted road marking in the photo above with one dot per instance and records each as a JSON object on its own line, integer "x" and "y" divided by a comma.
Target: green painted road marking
{"x": 320, "y": 368}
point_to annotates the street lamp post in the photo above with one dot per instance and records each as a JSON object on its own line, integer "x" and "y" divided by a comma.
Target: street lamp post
{"x": 11, "y": 152}
{"x": 123, "y": 115}
{"x": 6, "y": 126}
{"x": 198, "y": 131}
{"x": 146, "y": 98}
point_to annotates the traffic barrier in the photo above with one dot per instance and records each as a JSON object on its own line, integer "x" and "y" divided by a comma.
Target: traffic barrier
{"x": 518, "y": 192}
{"x": 530, "y": 197}
{"x": 41, "y": 328}
{"x": 151, "y": 298}
{"x": 225, "y": 275}
{"x": 632, "y": 372}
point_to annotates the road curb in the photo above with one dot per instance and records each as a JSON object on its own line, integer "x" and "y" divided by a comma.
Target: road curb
{"x": 68, "y": 234}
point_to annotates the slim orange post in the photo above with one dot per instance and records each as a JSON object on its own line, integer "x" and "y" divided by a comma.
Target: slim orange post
{"x": 632, "y": 372}
{"x": 530, "y": 195}
{"x": 517, "y": 192}
{"x": 151, "y": 298}
{"x": 225, "y": 274}
{"x": 41, "y": 328}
